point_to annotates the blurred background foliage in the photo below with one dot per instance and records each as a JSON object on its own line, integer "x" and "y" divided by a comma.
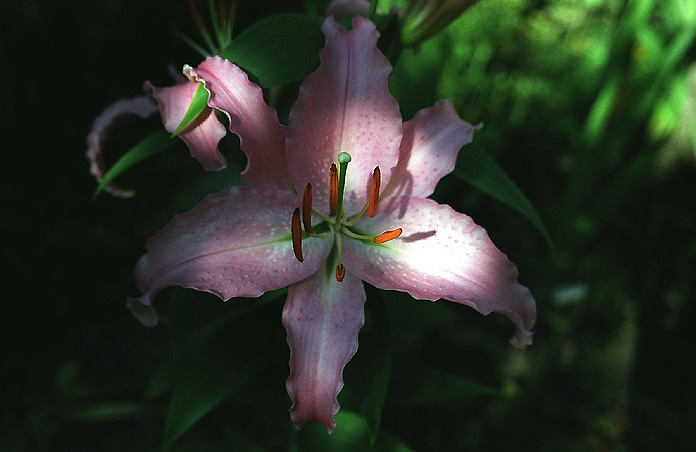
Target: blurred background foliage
{"x": 588, "y": 105}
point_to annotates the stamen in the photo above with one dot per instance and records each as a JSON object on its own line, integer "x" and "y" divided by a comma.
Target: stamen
{"x": 340, "y": 272}
{"x": 333, "y": 188}
{"x": 296, "y": 233}
{"x": 387, "y": 236}
{"x": 374, "y": 191}
{"x": 307, "y": 208}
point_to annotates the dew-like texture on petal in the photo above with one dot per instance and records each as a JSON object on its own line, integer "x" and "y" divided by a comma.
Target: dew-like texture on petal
{"x": 236, "y": 243}
{"x": 322, "y": 318}
{"x": 428, "y": 151}
{"x": 345, "y": 106}
{"x": 261, "y": 134}
{"x": 441, "y": 254}
{"x": 139, "y": 106}
{"x": 202, "y": 135}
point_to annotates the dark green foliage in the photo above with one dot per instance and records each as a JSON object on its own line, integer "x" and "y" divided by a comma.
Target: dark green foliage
{"x": 589, "y": 133}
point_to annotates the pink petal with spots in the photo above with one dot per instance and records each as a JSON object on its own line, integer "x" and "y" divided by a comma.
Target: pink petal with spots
{"x": 139, "y": 106}
{"x": 236, "y": 243}
{"x": 345, "y": 106}
{"x": 261, "y": 134}
{"x": 202, "y": 135}
{"x": 428, "y": 151}
{"x": 322, "y": 318}
{"x": 441, "y": 254}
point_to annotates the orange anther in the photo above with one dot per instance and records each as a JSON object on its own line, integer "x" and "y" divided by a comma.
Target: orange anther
{"x": 307, "y": 208}
{"x": 387, "y": 236}
{"x": 296, "y": 233}
{"x": 333, "y": 188}
{"x": 340, "y": 272}
{"x": 374, "y": 191}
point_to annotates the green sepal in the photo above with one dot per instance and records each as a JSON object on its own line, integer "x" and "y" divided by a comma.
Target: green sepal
{"x": 147, "y": 147}
{"x": 279, "y": 49}
{"x": 198, "y": 104}
{"x": 476, "y": 167}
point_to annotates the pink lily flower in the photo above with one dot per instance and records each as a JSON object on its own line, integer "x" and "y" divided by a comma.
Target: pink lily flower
{"x": 357, "y": 179}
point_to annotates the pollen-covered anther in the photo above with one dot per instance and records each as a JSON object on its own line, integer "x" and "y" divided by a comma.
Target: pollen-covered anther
{"x": 333, "y": 188}
{"x": 374, "y": 191}
{"x": 340, "y": 272}
{"x": 296, "y": 233}
{"x": 387, "y": 236}
{"x": 307, "y": 208}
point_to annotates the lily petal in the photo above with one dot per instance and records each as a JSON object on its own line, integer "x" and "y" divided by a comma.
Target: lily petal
{"x": 261, "y": 134}
{"x": 202, "y": 135}
{"x": 345, "y": 106}
{"x": 140, "y": 106}
{"x": 441, "y": 254}
{"x": 428, "y": 151}
{"x": 322, "y": 318}
{"x": 236, "y": 243}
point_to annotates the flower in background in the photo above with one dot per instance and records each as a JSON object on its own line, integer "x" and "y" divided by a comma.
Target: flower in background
{"x": 337, "y": 197}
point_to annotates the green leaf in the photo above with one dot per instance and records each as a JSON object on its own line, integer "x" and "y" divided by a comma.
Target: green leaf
{"x": 198, "y": 104}
{"x": 350, "y": 435}
{"x": 147, "y": 147}
{"x": 367, "y": 375}
{"x": 432, "y": 386}
{"x": 476, "y": 167}
{"x": 279, "y": 49}
{"x": 214, "y": 364}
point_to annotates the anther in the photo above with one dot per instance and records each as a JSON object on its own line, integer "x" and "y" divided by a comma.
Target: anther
{"x": 340, "y": 272}
{"x": 387, "y": 236}
{"x": 296, "y": 233}
{"x": 374, "y": 191}
{"x": 307, "y": 208}
{"x": 333, "y": 188}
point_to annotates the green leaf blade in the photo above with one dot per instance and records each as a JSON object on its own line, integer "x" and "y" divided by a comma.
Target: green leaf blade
{"x": 198, "y": 104}
{"x": 476, "y": 167}
{"x": 279, "y": 49}
{"x": 144, "y": 149}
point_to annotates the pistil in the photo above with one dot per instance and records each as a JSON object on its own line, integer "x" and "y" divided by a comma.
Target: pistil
{"x": 343, "y": 160}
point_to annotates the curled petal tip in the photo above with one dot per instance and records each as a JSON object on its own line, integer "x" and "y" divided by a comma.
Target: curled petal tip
{"x": 145, "y": 313}
{"x": 522, "y": 339}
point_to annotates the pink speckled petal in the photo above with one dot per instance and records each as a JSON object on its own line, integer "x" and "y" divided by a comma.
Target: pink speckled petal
{"x": 202, "y": 135}
{"x": 322, "y": 318}
{"x": 140, "y": 106}
{"x": 345, "y": 106}
{"x": 428, "y": 151}
{"x": 261, "y": 134}
{"x": 441, "y": 254}
{"x": 236, "y": 243}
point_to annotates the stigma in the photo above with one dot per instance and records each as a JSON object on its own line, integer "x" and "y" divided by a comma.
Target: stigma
{"x": 337, "y": 220}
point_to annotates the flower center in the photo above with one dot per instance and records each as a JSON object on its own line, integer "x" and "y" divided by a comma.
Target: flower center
{"x": 337, "y": 221}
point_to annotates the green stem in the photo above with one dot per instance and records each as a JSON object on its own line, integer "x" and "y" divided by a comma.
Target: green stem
{"x": 373, "y": 9}
{"x": 343, "y": 159}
